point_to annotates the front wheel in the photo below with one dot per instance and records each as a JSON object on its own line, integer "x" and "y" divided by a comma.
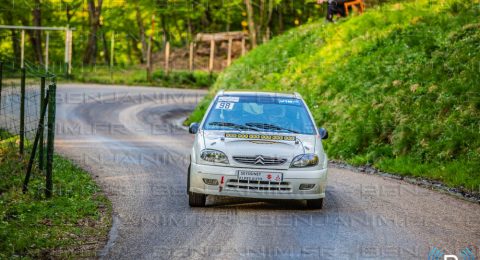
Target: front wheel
{"x": 196, "y": 199}
{"x": 188, "y": 178}
{"x": 315, "y": 204}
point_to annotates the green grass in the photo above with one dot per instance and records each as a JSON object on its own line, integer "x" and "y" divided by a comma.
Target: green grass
{"x": 69, "y": 225}
{"x": 397, "y": 87}
{"x": 138, "y": 76}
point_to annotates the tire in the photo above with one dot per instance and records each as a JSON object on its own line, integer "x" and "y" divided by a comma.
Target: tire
{"x": 315, "y": 204}
{"x": 188, "y": 179}
{"x": 197, "y": 199}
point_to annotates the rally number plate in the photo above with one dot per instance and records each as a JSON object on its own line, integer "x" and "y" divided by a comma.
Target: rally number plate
{"x": 259, "y": 176}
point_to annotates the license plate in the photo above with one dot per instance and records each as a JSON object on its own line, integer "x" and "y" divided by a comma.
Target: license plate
{"x": 260, "y": 176}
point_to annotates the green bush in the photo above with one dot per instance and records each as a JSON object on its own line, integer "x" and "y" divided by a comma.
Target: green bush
{"x": 397, "y": 87}
{"x": 138, "y": 76}
{"x": 68, "y": 225}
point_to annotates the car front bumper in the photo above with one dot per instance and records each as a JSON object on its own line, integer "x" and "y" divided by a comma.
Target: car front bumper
{"x": 289, "y": 188}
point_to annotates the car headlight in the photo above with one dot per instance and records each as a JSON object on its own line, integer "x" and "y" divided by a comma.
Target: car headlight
{"x": 304, "y": 160}
{"x": 325, "y": 162}
{"x": 214, "y": 156}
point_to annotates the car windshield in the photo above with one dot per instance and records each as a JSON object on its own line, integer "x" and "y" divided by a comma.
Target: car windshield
{"x": 259, "y": 113}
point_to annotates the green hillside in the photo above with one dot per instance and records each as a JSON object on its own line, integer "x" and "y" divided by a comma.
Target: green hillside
{"x": 397, "y": 87}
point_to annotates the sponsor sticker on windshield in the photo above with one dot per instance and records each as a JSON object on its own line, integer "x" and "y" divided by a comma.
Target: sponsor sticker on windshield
{"x": 289, "y": 101}
{"x": 225, "y": 105}
{"x": 261, "y": 137}
{"x": 229, "y": 99}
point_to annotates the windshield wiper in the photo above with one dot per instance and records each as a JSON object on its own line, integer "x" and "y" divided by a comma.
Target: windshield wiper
{"x": 232, "y": 125}
{"x": 271, "y": 127}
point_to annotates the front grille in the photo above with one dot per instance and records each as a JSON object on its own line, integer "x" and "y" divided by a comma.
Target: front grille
{"x": 259, "y": 160}
{"x": 259, "y": 185}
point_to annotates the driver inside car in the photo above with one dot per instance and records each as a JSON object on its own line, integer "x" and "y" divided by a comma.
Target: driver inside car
{"x": 273, "y": 114}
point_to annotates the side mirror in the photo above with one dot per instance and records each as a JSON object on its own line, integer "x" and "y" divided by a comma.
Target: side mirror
{"x": 193, "y": 129}
{"x": 323, "y": 133}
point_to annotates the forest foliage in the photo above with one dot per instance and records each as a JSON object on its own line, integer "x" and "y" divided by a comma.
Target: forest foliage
{"x": 132, "y": 22}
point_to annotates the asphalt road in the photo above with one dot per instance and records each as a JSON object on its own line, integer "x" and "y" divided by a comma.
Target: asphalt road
{"x": 131, "y": 142}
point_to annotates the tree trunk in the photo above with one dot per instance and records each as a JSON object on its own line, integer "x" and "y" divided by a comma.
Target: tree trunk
{"x": 138, "y": 53}
{"x": 69, "y": 15}
{"x": 190, "y": 29}
{"x": 90, "y": 55}
{"x": 177, "y": 27}
{"x": 261, "y": 21}
{"x": 16, "y": 45}
{"x": 141, "y": 29}
{"x": 31, "y": 36}
{"x": 15, "y": 40}
{"x": 165, "y": 30}
{"x": 280, "y": 20}
{"x": 70, "y": 8}
{"x": 206, "y": 19}
{"x": 106, "y": 53}
{"x": 35, "y": 35}
{"x": 129, "y": 51}
{"x": 269, "y": 19}
{"x": 229, "y": 20}
{"x": 251, "y": 24}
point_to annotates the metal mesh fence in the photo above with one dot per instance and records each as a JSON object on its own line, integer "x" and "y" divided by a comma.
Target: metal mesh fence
{"x": 25, "y": 94}
{"x": 11, "y": 98}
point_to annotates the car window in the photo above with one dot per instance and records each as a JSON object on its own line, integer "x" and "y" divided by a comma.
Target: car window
{"x": 259, "y": 113}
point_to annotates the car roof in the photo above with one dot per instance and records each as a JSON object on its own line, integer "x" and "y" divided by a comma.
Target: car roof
{"x": 259, "y": 93}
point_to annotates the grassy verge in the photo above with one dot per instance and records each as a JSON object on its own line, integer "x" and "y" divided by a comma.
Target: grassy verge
{"x": 72, "y": 224}
{"x": 138, "y": 76}
{"x": 397, "y": 87}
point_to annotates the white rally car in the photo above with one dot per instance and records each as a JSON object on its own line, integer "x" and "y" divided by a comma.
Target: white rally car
{"x": 257, "y": 145}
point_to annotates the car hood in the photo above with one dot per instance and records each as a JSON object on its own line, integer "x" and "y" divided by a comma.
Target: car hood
{"x": 250, "y": 145}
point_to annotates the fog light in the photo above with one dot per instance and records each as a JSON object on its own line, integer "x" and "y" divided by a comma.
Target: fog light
{"x": 210, "y": 181}
{"x": 306, "y": 186}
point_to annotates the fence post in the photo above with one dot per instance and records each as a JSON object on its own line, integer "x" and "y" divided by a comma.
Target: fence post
{"x": 243, "y": 46}
{"x": 1, "y": 82}
{"x": 112, "y": 53}
{"x": 149, "y": 52}
{"x": 112, "y": 49}
{"x": 22, "y": 112}
{"x": 41, "y": 153}
{"x": 167, "y": 58}
{"x": 190, "y": 58}
{"x": 22, "y": 50}
{"x": 229, "y": 52}
{"x": 70, "y": 49}
{"x": 47, "y": 42}
{"x": 52, "y": 89}
{"x": 34, "y": 148}
{"x": 66, "y": 54}
{"x": 212, "y": 55}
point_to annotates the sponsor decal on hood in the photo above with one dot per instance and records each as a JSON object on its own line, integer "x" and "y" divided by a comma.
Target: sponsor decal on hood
{"x": 261, "y": 137}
